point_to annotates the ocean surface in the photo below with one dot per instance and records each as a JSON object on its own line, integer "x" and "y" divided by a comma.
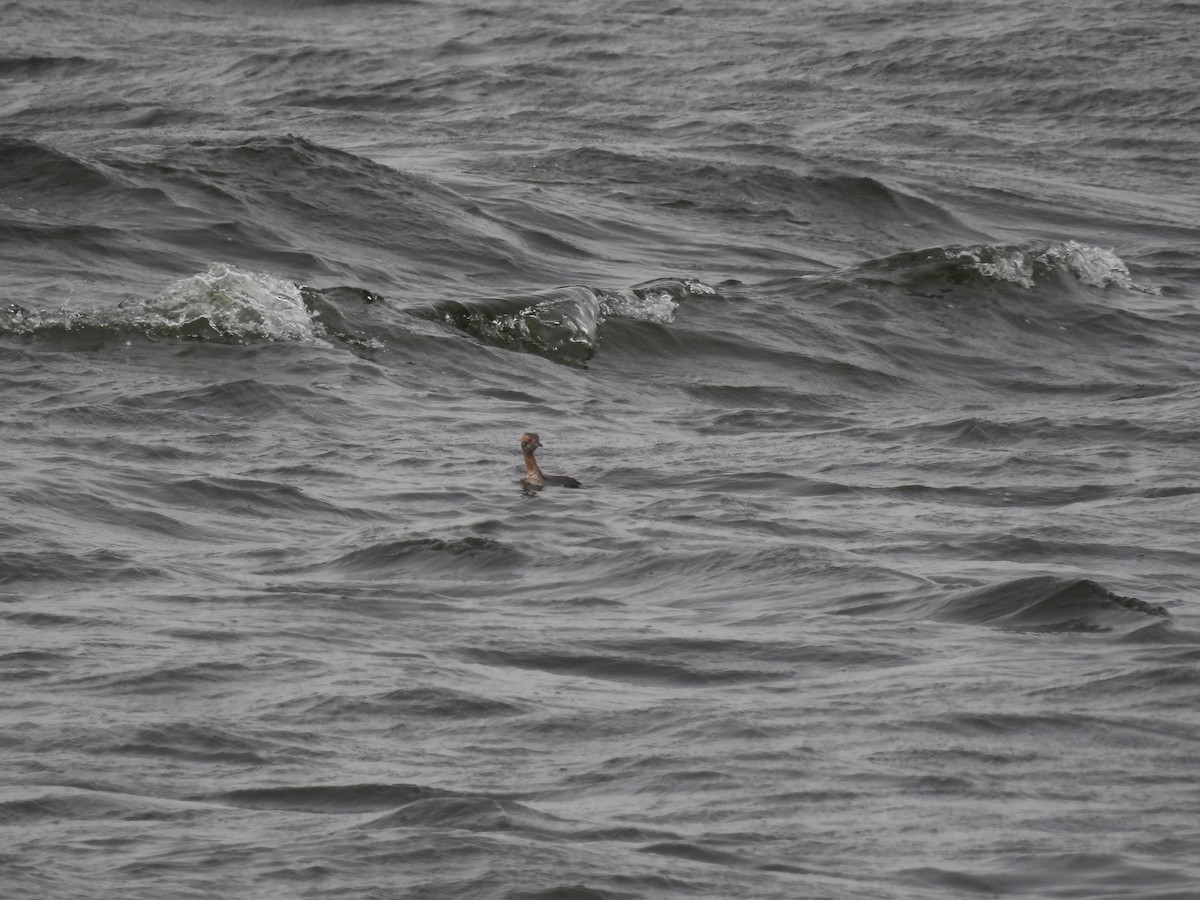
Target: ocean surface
{"x": 872, "y": 330}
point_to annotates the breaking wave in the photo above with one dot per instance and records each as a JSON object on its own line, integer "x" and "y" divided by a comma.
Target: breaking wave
{"x": 564, "y": 324}
{"x": 1026, "y": 264}
{"x": 223, "y": 304}
{"x": 228, "y": 304}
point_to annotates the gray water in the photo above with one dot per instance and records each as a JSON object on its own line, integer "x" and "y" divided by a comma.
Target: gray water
{"x": 870, "y": 330}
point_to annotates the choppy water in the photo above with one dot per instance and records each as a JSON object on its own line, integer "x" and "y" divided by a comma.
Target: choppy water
{"x": 871, "y": 330}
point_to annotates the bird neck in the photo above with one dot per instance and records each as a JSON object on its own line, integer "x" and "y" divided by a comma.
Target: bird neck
{"x": 531, "y": 466}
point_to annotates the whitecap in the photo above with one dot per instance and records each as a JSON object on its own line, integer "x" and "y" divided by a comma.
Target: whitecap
{"x": 233, "y": 302}
{"x": 1027, "y": 264}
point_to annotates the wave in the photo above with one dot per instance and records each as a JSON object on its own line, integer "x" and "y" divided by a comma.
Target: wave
{"x": 471, "y": 812}
{"x": 955, "y": 311}
{"x": 1047, "y": 603}
{"x": 428, "y": 557}
{"x": 222, "y": 304}
{"x": 844, "y": 210}
{"x": 1026, "y": 264}
{"x": 206, "y": 743}
{"x": 333, "y": 799}
{"x": 33, "y": 67}
{"x": 246, "y": 496}
{"x": 122, "y": 218}
{"x": 46, "y": 173}
{"x": 54, "y": 564}
{"x": 27, "y": 805}
{"x": 1035, "y": 266}
{"x": 1040, "y": 603}
{"x": 425, "y": 701}
{"x": 632, "y": 665}
{"x": 1028, "y": 314}
{"x": 564, "y": 324}
{"x": 228, "y": 304}
{"x": 401, "y": 806}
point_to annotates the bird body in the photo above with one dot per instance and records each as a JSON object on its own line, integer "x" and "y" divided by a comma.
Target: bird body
{"x": 534, "y": 477}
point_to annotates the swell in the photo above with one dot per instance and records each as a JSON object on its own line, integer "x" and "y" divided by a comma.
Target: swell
{"x": 990, "y": 312}
{"x": 564, "y": 324}
{"x": 228, "y": 304}
{"x": 54, "y": 565}
{"x": 1029, "y": 291}
{"x": 1032, "y": 316}
{"x": 287, "y": 203}
{"x": 425, "y": 557}
{"x": 1047, "y": 603}
{"x": 35, "y": 67}
{"x": 1036, "y": 604}
{"x": 1027, "y": 264}
{"x": 1006, "y": 315}
{"x": 744, "y": 214}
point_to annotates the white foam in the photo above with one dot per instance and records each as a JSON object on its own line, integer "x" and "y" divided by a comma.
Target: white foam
{"x": 1023, "y": 265}
{"x": 1093, "y": 265}
{"x": 655, "y": 302}
{"x": 649, "y": 306}
{"x": 234, "y": 302}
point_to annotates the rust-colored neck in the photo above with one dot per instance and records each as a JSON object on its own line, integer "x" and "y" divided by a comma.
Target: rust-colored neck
{"x": 531, "y": 466}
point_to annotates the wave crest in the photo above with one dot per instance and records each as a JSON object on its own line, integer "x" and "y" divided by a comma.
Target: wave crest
{"x": 223, "y": 304}
{"x": 231, "y": 303}
{"x": 1029, "y": 264}
{"x": 1025, "y": 264}
{"x": 1044, "y": 604}
{"x": 1049, "y": 604}
{"x": 564, "y": 324}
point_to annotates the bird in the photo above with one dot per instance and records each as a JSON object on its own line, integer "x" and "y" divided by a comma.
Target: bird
{"x": 533, "y": 474}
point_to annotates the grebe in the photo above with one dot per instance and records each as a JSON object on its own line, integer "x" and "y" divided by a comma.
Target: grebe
{"x": 533, "y": 475}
